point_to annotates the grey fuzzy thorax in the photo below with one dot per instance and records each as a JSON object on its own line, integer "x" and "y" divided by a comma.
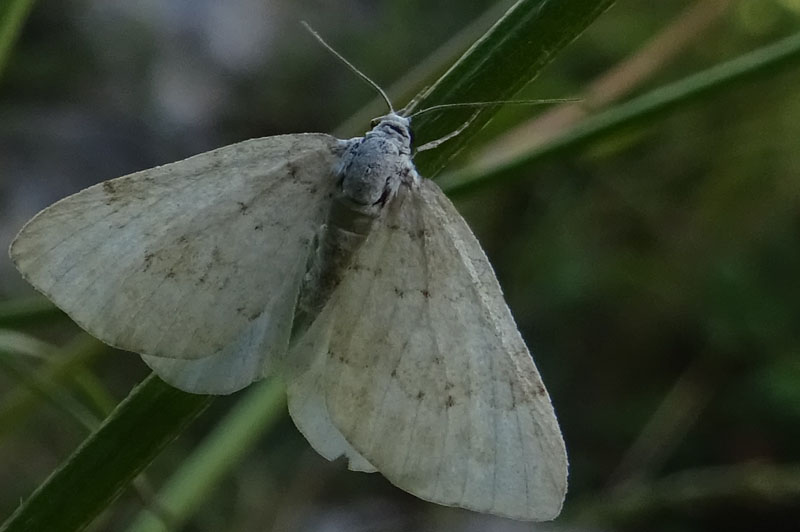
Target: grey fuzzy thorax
{"x": 371, "y": 170}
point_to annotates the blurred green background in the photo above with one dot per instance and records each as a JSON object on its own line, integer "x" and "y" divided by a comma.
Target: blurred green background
{"x": 653, "y": 273}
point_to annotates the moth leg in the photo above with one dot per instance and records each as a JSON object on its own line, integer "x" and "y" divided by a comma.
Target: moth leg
{"x": 438, "y": 142}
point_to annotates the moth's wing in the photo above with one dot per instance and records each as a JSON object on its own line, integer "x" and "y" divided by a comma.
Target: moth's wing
{"x": 305, "y": 391}
{"x": 194, "y": 259}
{"x": 427, "y": 376}
{"x": 253, "y": 354}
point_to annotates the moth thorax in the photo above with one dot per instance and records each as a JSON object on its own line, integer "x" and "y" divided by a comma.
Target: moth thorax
{"x": 372, "y": 166}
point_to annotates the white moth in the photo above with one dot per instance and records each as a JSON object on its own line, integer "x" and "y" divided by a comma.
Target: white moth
{"x": 333, "y": 263}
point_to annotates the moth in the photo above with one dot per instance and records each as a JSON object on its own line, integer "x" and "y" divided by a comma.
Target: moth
{"x": 336, "y": 265}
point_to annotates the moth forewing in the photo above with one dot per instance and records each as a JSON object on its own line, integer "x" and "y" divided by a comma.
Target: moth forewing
{"x": 183, "y": 261}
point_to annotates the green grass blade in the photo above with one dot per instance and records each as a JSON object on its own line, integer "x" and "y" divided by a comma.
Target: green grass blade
{"x": 759, "y": 63}
{"x": 13, "y": 343}
{"x": 97, "y": 472}
{"x": 199, "y": 475}
{"x": 12, "y": 17}
{"x": 24, "y": 310}
{"x": 424, "y": 73}
{"x": 32, "y": 381}
{"x": 61, "y": 364}
{"x": 496, "y": 67}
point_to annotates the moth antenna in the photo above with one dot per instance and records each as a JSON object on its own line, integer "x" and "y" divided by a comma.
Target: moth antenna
{"x": 349, "y": 64}
{"x": 491, "y": 104}
{"x": 410, "y": 105}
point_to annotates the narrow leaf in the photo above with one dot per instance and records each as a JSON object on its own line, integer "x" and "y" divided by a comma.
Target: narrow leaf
{"x": 153, "y": 415}
{"x": 508, "y": 57}
{"x": 759, "y": 63}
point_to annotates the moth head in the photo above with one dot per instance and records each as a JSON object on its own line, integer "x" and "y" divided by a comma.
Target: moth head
{"x": 394, "y": 125}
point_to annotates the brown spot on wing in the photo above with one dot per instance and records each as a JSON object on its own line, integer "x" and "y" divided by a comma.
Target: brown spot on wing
{"x": 148, "y": 260}
{"x": 291, "y": 169}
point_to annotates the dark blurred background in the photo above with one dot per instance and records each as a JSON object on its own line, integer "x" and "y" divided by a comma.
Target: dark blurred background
{"x": 654, "y": 274}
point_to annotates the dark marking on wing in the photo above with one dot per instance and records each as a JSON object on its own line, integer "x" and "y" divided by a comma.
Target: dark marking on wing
{"x": 148, "y": 260}
{"x": 109, "y": 188}
{"x": 513, "y": 394}
{"x": 291, "y": 168}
